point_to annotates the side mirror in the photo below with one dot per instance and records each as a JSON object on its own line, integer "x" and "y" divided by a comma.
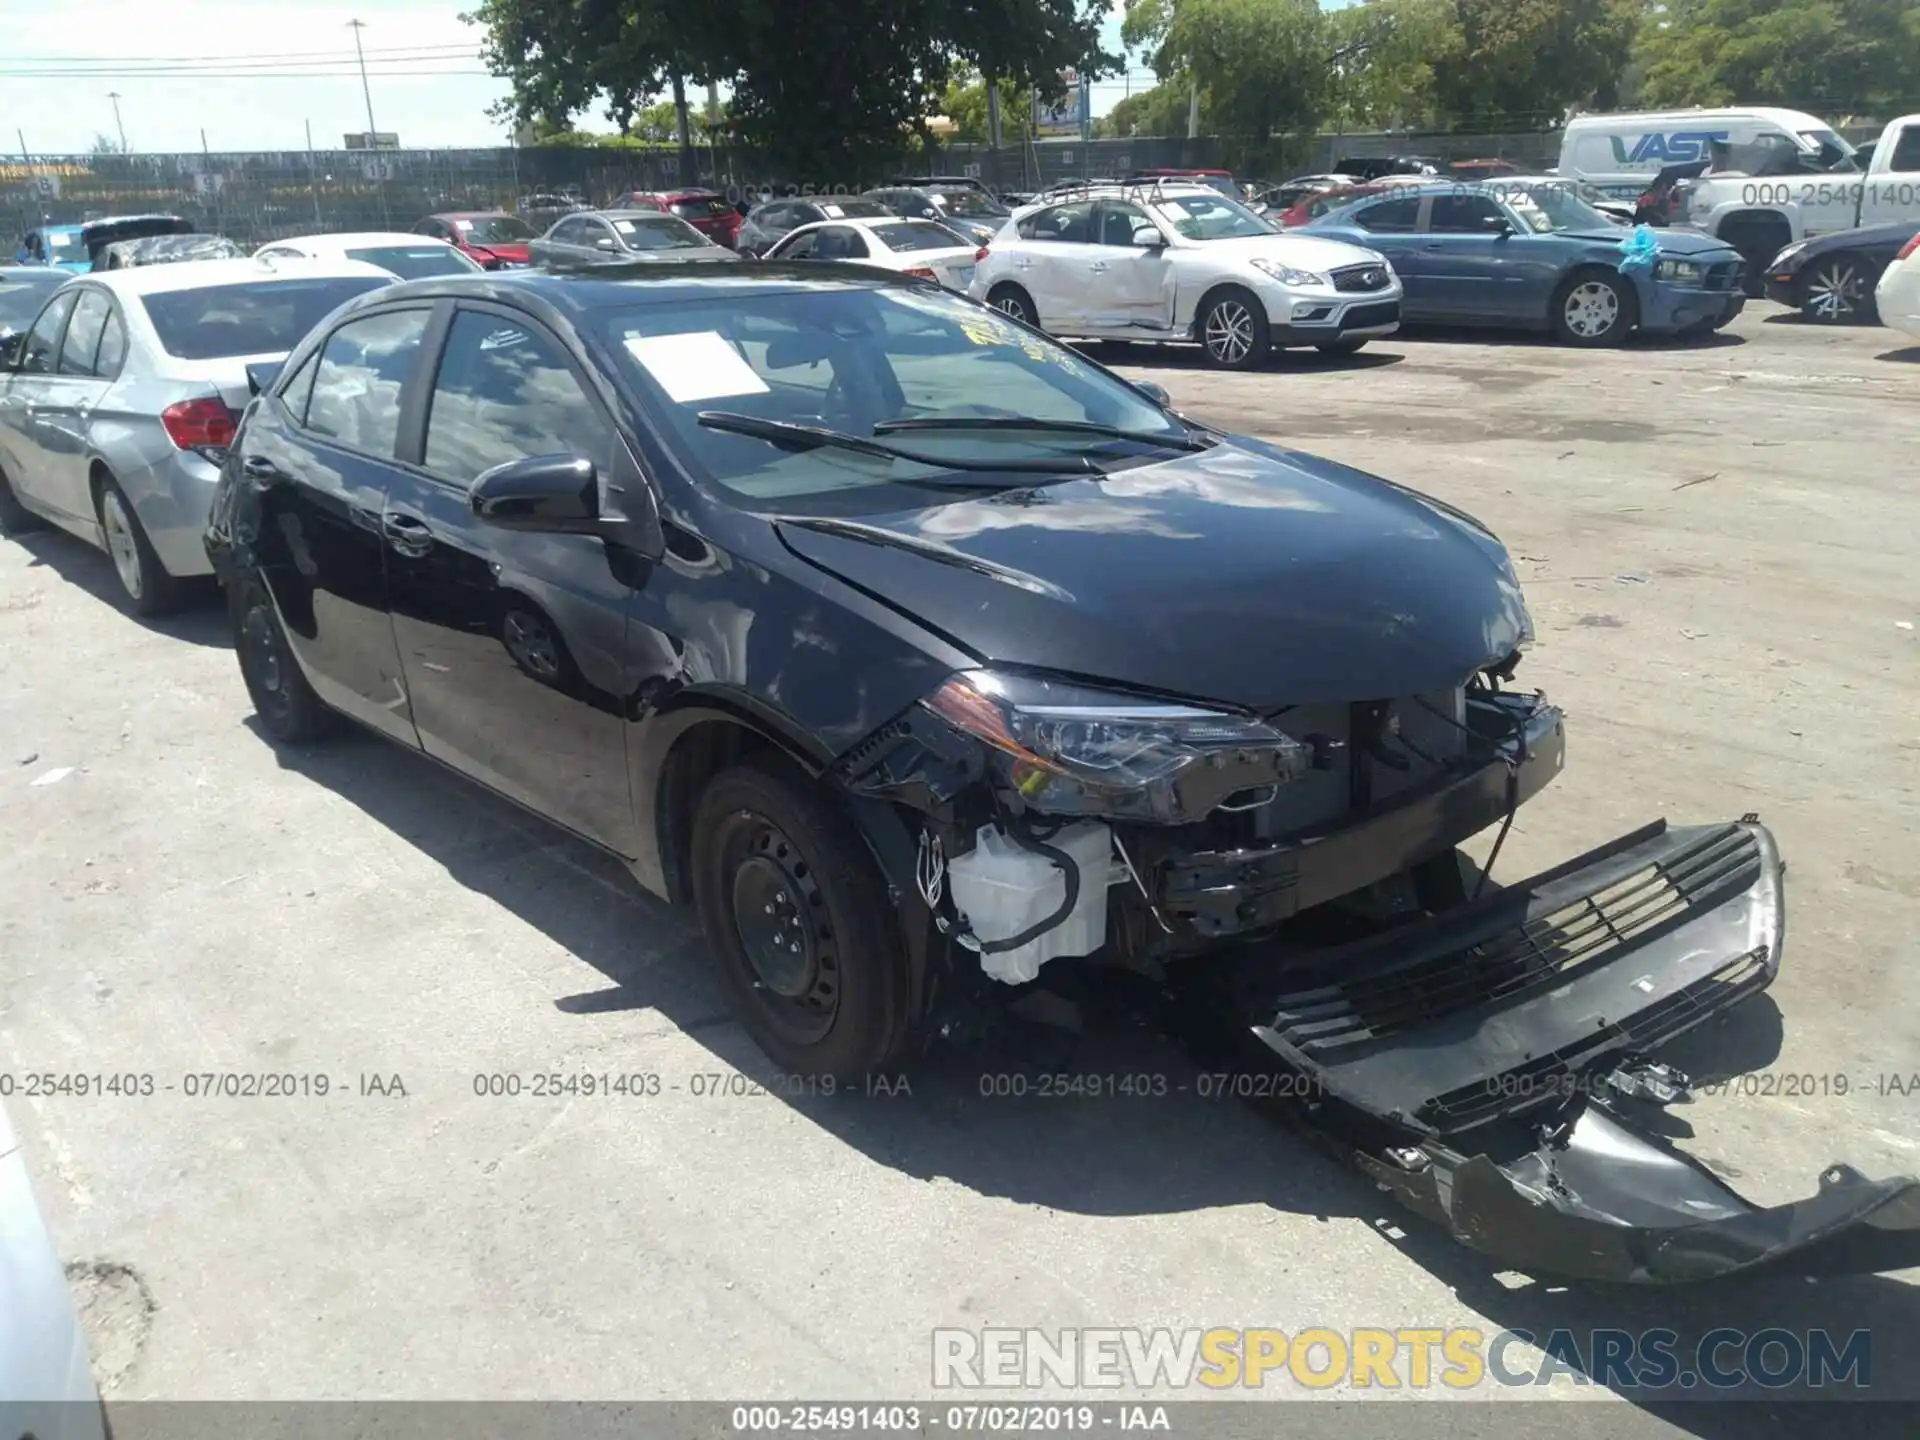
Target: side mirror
{"x": 1150, "y": 238}
{"x": 604, "y": 242}
{"x": 260, "y": 376}
{"x": 1497, "y": 225}
{"x": 13, "y": 350}
{"x": 544, "y": 494}
{"x": 1153, "y": 392}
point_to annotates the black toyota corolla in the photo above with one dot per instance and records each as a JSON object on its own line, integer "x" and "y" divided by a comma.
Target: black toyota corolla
{"x": 930, "y": 659}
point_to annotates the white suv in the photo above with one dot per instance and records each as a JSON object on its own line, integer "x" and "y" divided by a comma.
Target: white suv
{"x": 1184, "y": 262}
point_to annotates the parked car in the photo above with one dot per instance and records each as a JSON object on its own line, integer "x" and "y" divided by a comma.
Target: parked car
{"x": 492, "y": 239}
{"x": 918, "y": 653}
{"x": 707, "y": 211}
{"x": 973, "y": 213}
{"x": 1530, "y": 254}
{"x": 924, "y": 249}
{"x": 1289, "y": 193}
{"x": 1185, "y": 263}
{"x": 1313, "y": 207}
{"x": 408, "y": 256}
{"x": 766, "y": 224}
{"x": 1897, "y": 297}
{"x": 23, "y": 290}
{"x": 1375, "y": 167}
{"x": 619, "y": 237}
{"x": 118, "y": 402}
{"x": 47, "y": 1389}
{"x": 1221, "y": 180}
{"x": 75, "y": 248}
{"x": 541, "y": 211}
{"x": 168, "y": 250}
{"x": 940, "y": 182}
{"x": 1663, "y": 202}
{"x": 1831, "y": 279}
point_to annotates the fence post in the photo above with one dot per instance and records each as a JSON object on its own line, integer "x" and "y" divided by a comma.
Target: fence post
{"x": 313, "y": 177}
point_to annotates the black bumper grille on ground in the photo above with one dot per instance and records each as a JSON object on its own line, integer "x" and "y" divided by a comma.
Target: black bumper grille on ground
{"x": 1360, "y": 278}
{"x": 1361, "y": 317}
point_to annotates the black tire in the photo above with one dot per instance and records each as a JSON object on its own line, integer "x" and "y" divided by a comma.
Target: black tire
{"x": 149, "y": 589}
{"x": 288, "y": 709}
{"x": 1232, "y": 330}
{"x": 1352, "y": 346}
{"x": 1593, "y": 308}
{"x": 15, "y": 518}
{"x": 765, "y": 843}
{"x": 1012, "y": 300}
{"x": 1838, "y": 290}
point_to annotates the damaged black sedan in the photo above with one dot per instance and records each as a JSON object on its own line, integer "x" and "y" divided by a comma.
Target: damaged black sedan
{"x": 926, "y": 657}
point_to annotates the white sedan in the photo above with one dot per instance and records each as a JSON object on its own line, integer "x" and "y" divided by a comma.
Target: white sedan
{"x": 409, "y": 256}
{"x": 1184, "y": 263}
{"x": 922, "y": 248}
{"x": 1897, "y": 297}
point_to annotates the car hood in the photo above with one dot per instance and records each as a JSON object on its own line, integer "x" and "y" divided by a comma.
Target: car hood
{"x": 1244, "y": 574}
{"x": 1304, "y": 252}
{"x": 1671, "y": 242}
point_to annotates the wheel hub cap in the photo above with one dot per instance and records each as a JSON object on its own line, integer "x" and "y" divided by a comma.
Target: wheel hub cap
{"x": 1592, "y": 308}
{"x": 263, "y": 652}
{"x": 773, "y": 928}
{"x": 1834, "y": 292}
{"x": 120, "y": 543}
{"x": 1229, "y": 331}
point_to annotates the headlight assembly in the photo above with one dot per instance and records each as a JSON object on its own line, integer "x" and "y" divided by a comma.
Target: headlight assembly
{"x": 1682, "y": 270}
{"x": 1068, "y": 750}
{"x": 1287, "y": 275}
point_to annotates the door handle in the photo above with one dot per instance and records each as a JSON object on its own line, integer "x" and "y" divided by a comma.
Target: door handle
{"x": 406, "y": 534}
{"x": 258, "y": 467}
{"x": 1435, "y": 245}
{"x": 1099, "y": 267}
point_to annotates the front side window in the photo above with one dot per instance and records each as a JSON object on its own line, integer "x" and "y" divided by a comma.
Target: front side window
{"x": 799, "y": 247}
{"x": 1063, "y": 224}
{"x": 505, "y": 392}
{"x": 260, "y": 317}
{"x": 363, "y": 368}
{"x": 1463, "y": 215}
{"x": 1398, "y": 216}
{"x": 1120, "y": 223}
{"x": 44, "y": 339}
{"x": 83, "y": 334}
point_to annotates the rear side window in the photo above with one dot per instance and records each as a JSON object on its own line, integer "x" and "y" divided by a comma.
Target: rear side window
{"x": 1906, "y": 150}
{"x": 505, "y": 392}
{"x": 837, "y": 242}
{"x": 363, "y": 367}
{"x": 112, "y": 353}
{"x": 1390, "y": 216}
{"x": 38, "y": 357}
{"x": 707, "y": 208}
{"x": 83, "y": 334}
{"x": 1462, "y": 215}
{"x": 411, "y": 262}
{"x": 262, "y": 317}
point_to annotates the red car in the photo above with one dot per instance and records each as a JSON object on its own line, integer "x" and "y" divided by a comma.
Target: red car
{"x": 707, "y": 211}
{"x": 1314, "y": 206}
{"x": 492, "y": 239}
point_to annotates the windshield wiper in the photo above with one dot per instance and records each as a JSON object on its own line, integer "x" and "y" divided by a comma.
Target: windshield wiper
{"x": 790, "y": 436}
{"x": 1180, "y": 440}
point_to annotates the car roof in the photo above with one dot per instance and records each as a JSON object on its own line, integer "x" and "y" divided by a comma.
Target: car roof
{"x": 467, "y": 215}
{"x": 1785, "y": 119}
{"x": 652, "y": 217}
{"x": 354, "y": 239}
{"x": 192, "y": 274}
{"x": 607, "y": 287}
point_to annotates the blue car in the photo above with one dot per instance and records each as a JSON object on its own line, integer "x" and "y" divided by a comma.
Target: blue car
{"x": 1530, "y": 254}
{"x": 74, "y": 248}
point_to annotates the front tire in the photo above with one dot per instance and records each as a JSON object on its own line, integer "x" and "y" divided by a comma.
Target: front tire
{"x": 288, "y": 709}
{"x": 1593, "y": 309}
{"x": 1012, "y": 300}
{"x": 149, "y": 589}
{"x": 1834, "y": 291}
{"x": 797, "y": 916}
{"x": 1233, "y": 330}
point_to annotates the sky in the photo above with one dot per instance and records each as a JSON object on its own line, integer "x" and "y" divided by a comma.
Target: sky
{"x": 277, "y": 69}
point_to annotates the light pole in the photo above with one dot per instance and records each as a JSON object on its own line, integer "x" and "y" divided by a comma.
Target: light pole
{"x": 373, "y": 131}
{"x": 114, "y": 96}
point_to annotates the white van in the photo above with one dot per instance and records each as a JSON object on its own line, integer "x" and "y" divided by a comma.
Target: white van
{"x": 1619, "y": 154}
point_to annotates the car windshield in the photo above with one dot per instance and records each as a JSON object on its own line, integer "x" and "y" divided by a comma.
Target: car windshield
{"x": 918, "y": 235}
{"x": 20, "y": 301}
{"x": 658, "y": 232}
{"x": 1211, "y": 217}
{"x": 261, "y": 317}
{"x": 971, "y": 204}
{"x": 851, "y": 360}
{"x": 414, "y": 262}
{"x": 1829, "y": 152}
{"x": 1553, "y": 209}
{"x": 495, "y": 230}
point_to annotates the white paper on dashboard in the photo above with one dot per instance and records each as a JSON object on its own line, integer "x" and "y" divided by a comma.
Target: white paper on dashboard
{"x": 699, "y": 365}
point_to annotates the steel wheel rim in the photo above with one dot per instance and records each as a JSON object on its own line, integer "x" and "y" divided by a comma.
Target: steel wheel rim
{"x": 786, "y": 937}
{"x": 1591, "y": 309}
{"x": 1833, "y": 293}
{"x": 260, "y": 647}
{"x": 1229, "y": 332}
{"x": 121, "y": 544}
{"x": 532, "y": 644}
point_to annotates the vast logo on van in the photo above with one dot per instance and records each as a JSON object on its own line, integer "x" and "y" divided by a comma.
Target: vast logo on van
{"x": 1671, "y": 148}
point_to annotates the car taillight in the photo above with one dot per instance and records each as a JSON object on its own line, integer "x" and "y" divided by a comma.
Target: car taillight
{"x": 204, "y": 424}
{"x": 979, "y": 254}
{"x": 1908, "y": 248}
{"x": 922, "y": 272}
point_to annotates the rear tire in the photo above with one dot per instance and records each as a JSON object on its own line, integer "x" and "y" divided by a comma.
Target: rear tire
{"x": 1012, "y": 300}
{"x": 1233, "y": 330}
{"x": 15, "y": 518}
{"x": 797, "y": 917}
{"x": 288, "y": 709}
{"x": 1593, "y": 309}
{"x": 149, "y": 589}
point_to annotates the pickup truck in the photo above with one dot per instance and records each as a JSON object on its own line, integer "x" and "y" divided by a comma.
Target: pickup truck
{"x": 1762, "y": 197}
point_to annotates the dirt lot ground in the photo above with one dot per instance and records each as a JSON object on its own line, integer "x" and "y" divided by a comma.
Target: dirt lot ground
{"x": 1718, "y": 544}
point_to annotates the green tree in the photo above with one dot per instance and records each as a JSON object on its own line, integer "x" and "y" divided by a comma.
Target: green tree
{"x": 1382, "y": 61}
{"x": 1522, "y": 63}
{"x": 1264, "y": 62}
{"x": 1161, "y": 110}
{"x": 1824, "y": 55}
{"x": 965, "y": 103}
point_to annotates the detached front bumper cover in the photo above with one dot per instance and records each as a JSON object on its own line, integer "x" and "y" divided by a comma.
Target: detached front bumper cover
{"x": 1488, "y": 1067}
